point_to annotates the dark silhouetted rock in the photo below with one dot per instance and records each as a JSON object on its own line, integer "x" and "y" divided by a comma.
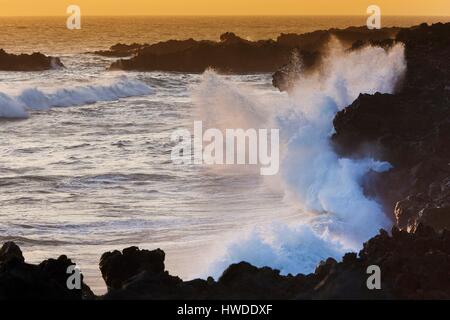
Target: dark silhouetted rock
{"x": 313, "y": 46}
{"x": 233, "y": 54}
{"x": 413, "y": 265}
{"x": 121, "y": 50}
{"x": 28, "y": 62}
{"x": 11, "y": 252}
{"x": 46, "y": 281}
{"x": 117, "y": 267}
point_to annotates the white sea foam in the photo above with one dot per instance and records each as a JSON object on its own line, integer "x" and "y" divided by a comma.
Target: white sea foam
{"x": 34, "y": 98}
{"x": 337, "y": 215}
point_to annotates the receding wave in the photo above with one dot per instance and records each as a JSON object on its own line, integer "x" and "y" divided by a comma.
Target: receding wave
{"x": 18, "y": 105}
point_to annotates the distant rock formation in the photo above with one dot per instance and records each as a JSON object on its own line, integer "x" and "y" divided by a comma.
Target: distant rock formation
{"x": 28, "y": 62}
{"x": 120, "y": 50}
{"x": 231, "y": 55}
{"x": 235, "y": 55}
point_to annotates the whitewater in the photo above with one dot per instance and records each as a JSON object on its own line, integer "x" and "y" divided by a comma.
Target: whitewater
{"x": 338, "y": 217}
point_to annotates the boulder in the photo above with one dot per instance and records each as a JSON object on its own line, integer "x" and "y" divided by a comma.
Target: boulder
{"x": 46, "y": 281}
{"x": 118, "y": 267}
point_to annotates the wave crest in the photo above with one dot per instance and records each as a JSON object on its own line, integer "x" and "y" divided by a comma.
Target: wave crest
{"x": 16, "y": 106}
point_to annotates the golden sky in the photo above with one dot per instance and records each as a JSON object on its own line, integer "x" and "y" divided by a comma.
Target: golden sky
{"x": 224, "y": 7}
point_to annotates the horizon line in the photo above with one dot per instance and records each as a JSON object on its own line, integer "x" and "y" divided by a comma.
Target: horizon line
{"x": 224, "y": 15}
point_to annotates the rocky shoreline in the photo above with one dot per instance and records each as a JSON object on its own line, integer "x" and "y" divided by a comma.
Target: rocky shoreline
{"x": 414, "y": 265}
{"x": 410, "y": 129}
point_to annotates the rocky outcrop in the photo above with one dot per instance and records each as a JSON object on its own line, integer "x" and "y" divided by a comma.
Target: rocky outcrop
{"x": 28, "y": 62}
{"x": 46, "y": 281}
{"x": 121, "y": 50}
{"x": 117, "y": 267}
{"x": 413, "y": 265}
{"x": 233, "y": 54}
{"x": 410, "y": 129}
{"x": 315, "y": 44}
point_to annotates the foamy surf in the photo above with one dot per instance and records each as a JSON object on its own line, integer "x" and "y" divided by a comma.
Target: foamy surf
{"x": 32, "y": 98}
{"x": 337, "y": 215}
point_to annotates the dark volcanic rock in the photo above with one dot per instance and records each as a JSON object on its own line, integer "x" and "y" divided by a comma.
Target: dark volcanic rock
{"x": 315, "y": 40}
{"x": 11, "y": 252}
{"x": 300, "y": 62}
{"x": 427, "y": 54}
{"x": 23, "y": 281}
{"x": 117, "y": 267}
{"x": 121, "y": 50}
{"x": 233, "y": 54}
{"x": 314, "y": 45}
{"x": 28, "y": 62}
{"x": 410, "y": 129}
{"x": 413, "y": 265}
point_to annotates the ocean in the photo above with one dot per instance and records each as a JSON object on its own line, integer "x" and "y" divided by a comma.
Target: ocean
{"x": 85, "y": 153}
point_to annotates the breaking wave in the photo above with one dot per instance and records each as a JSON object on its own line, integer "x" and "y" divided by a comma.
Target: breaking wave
{"x": 18, "y": 105}
{"x": 336, "y": 216}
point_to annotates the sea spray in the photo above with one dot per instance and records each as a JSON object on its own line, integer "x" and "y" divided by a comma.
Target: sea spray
{"x": 336, "y": 214}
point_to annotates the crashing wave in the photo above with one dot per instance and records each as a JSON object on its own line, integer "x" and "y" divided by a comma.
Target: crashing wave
{"x": 18, "y": 105}
{"x": 337, "y": 215}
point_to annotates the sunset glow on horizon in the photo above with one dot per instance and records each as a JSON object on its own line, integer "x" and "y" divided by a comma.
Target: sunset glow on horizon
{"x": 224, "y": 7}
